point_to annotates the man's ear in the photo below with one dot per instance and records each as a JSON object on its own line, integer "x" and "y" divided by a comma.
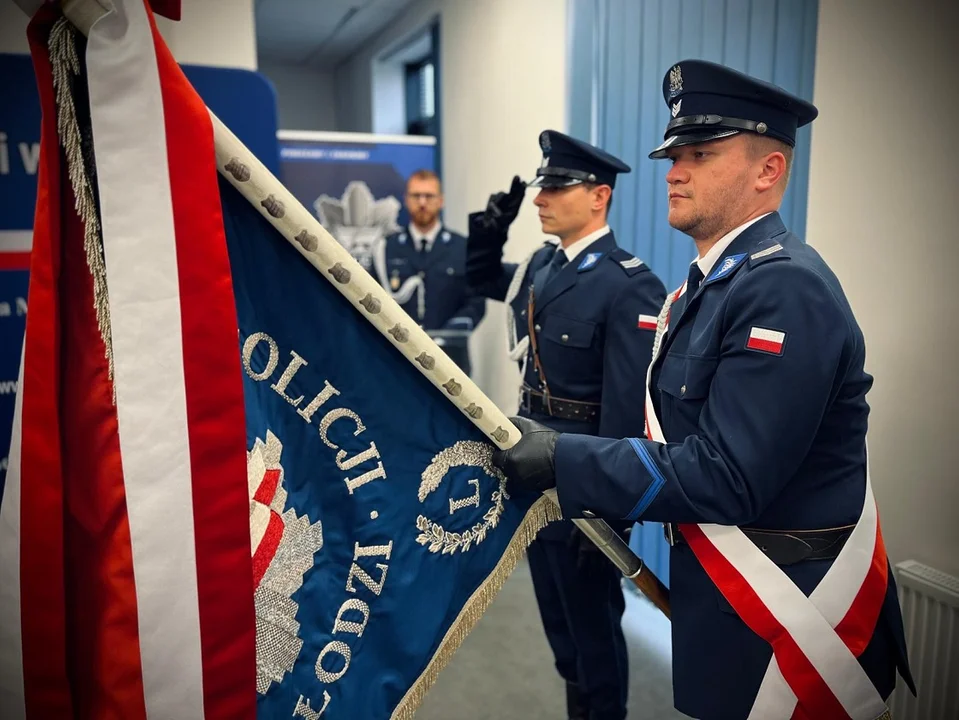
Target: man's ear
{"x": 771, "y": 171}
{"x": 601, "y": 194}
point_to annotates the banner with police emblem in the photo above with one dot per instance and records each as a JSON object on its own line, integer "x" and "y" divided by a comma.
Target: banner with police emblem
{"x": 243, "y": 482}
{"x": 380, "y": 527}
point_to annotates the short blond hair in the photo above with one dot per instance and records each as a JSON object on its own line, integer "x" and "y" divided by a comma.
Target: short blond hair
{"x": 424, "y": 174}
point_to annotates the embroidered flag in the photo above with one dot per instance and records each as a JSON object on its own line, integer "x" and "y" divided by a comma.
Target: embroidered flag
{"x": 242, "y": 481}
{"x": 766, "y": 340}
{"x": 646, "y": 322}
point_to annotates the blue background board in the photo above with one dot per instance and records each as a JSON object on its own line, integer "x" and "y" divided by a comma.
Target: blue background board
{"x": 19, "y": 127}
{"x": 411, "y": 422}
{"x": 311, "y": 168}
{"x": 246, "y": 103}
{"x": 244, "y": 100}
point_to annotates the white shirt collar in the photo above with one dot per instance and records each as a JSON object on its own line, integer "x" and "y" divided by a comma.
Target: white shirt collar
{"x": 577, "y": 247}
{"x": 429, "y": 236}
{"x": 707, "y": 262}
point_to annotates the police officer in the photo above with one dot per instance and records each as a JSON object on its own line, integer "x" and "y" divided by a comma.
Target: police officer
{"x": 757, "y": 421}
{"x": 582, "y": 325}
{"x": 423, "y": 266}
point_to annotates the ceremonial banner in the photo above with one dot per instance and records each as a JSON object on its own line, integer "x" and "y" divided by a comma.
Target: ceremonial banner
{"x": 354, "y": 182}
{"x": 243, "y": 482}
{"x": 244, "y": 100}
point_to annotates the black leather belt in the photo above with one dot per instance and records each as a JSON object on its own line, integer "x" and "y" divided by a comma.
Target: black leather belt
{"x": 786, "y": 547}
{"x": 534, "y": 402}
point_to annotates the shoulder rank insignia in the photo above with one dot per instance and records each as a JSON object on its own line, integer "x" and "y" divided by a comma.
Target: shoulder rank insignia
{"x": 766, "y": 253}
{"x": 631, "y": 263}
{"x": 726, "y": 266}
{"x": 589, "y": 261}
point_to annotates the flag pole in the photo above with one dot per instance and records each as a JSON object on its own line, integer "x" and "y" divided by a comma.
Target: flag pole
{"x": 299, "y": 226}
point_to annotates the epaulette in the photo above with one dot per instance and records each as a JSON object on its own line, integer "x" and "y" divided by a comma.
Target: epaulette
{"x": 629, "y": 263}
{"x": 766, "y": 251}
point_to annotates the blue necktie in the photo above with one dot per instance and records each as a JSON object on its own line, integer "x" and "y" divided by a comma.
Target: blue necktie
{"x": 555, "y": 265}
{"x": 692, "y": 285}
{"x": 694, "y": 279}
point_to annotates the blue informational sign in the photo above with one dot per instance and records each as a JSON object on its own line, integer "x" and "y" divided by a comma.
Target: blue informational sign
{"x": 353, "y": 182}
{"x": 244, "y": 100}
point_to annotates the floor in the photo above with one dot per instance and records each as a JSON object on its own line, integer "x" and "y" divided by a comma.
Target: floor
{"x": 504, "y": 669}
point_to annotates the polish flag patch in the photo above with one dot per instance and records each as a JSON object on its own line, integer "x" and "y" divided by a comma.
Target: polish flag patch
{"x": 646, "y": 322}
{"x": 766, "y": 340}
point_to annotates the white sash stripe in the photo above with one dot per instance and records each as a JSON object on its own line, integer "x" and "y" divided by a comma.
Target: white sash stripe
{"x": 810, "y": 621}
{"x": 832, "y": 598}
{"x": 818, "y": 641}
{"x": 139, "y": 243}
{"x": 12, "y": 698}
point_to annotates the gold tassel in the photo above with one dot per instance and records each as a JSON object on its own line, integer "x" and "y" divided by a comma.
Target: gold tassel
{"x": 543, "y": 511}
{"x": 65, "y": 63}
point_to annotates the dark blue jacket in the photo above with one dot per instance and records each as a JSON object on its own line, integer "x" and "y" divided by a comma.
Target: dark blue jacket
{"x": 591, "y": 345}
{"x": 449, "y": 304}
{"x": 756, "y": 437}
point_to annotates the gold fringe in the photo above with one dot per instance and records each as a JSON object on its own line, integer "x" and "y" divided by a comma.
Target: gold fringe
{"x": 543, "y": 511}
{"x": 65, "y": 64}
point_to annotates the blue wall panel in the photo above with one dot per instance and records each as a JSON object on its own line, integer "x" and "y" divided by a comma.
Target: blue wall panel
{"x": 619, "y": 51}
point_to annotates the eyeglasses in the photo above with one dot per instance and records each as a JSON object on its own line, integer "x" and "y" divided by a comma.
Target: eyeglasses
{"x": 427, "y": 197}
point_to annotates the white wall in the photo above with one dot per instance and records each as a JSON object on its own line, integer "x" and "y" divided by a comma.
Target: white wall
{"x": 882, "y": 199}
{"x": 355, "y": 78}
{"x": 13, "y": 28}
{"x": 305, "y": 98}
{"x": 220, "y": 33}
{"x": 389, "y": 98}
{"x": 211, "y": 32}
{"x": 499, "y": 89}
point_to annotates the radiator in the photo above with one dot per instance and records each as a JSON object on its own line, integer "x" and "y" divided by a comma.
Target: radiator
{"x": 930, "y": 612}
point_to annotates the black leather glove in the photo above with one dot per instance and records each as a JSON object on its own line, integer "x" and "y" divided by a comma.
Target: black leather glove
{"x": 502, "y": 208}
{"x": 528, "y": 465}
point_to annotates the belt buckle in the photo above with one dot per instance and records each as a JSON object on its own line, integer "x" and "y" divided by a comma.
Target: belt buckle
{"x": 525, "y": 400}
{"x": 668, "y": 532}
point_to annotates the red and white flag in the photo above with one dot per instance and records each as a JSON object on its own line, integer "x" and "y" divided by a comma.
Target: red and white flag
{"x": 766, "y": 340}
{"x": 124, "y": 535}
{"x": 646, "y": 322}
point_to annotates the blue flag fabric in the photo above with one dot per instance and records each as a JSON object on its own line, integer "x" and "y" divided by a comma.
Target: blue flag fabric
{"x": 380, "y": 529}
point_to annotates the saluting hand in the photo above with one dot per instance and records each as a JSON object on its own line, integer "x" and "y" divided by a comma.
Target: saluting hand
{"x": 528, "y": 465}
{"x": 502, "y": 208}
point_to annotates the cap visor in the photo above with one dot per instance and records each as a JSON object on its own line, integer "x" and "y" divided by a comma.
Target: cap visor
{"x": 690, "y": 138}
{"x": 552, "y": 181}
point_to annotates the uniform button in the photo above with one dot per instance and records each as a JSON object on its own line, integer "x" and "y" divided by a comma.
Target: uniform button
{"x": 537, "y": 328}
{"x": 421, "y": 274}
{"x": 450, "y": 271}
{"x": 682, "y": 390}
{"x": 564, "y": 337}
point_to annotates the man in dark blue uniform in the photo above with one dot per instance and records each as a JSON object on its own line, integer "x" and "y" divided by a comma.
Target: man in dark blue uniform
{"x": 582, "y": 322}
{"x": 423, "y": 266}
{"x": 756, "y": 427}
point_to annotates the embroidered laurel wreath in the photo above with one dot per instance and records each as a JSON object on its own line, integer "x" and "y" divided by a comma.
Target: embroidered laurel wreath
{"x": 472, "y": 454}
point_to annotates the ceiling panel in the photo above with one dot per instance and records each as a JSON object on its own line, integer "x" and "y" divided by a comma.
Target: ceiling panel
{"x": 319, "y": 33}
